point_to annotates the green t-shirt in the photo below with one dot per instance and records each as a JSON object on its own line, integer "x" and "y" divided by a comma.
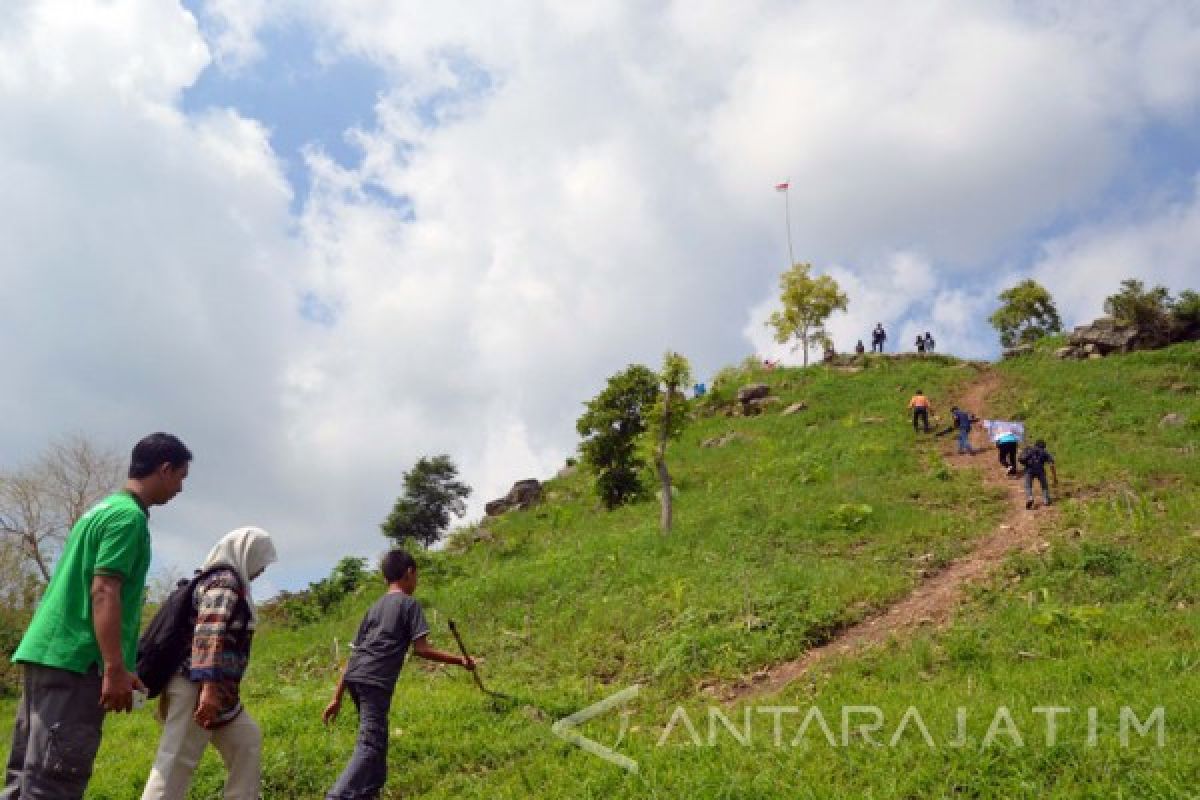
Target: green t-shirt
{"x": 113, "y": 538}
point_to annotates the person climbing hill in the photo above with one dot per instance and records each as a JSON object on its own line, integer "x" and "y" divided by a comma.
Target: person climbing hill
{"x": 920, "y": 410}
{"x": 1007, "y": 436}
{"x": 1035, "y": 460}
{"x": 390, "y": 627}
{"x": 962, "y": 421}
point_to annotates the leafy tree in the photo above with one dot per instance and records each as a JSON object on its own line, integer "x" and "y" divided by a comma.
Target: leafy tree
{"x": 611, "y": 425}
{"x": 808, "y": 303}
{"x": 1148, "y": 309}
{"x": 1185, "y": 315}
{"x": 1027, "y": 313}
{"x": 432, "y": 492}
{"x": 349, "y": 573}
{"x": 667, "y": 422}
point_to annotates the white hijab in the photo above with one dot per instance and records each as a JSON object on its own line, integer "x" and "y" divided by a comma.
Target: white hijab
{"x": 247, "y": 551}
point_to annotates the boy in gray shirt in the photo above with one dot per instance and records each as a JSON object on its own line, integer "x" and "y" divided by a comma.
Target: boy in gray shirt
{"x": 386, "y": 631}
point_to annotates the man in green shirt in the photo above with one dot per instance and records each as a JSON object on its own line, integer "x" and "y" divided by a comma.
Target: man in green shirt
{"x": 79, "y": 650}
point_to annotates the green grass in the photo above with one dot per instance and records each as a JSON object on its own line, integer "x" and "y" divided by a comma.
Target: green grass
{"x": 570, "y": 604}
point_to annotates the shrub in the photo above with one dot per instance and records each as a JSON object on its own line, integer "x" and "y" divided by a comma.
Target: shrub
{"x": 294, "y": 609}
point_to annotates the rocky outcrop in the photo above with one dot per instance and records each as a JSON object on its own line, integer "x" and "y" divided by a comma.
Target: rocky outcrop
{"x": 751, "y": 398}
{"x": 752, "y": 391}
{"x": 758, "y": 405}
{"x": 1106, "y": 336}
{"x": 722, "y": 440}
{"x": 1018, "y": 351}
{"x": 845, "y": 360}
{"x": 523, "y": 494}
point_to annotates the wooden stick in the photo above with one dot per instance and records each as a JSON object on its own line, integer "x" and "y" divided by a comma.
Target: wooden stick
{"x": 474, "y": 672}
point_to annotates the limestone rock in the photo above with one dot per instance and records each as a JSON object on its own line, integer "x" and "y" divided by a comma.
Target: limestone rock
{"x": 722, "y": 440}
{"x": 758, "y": 405}
{"x": 523, "y": 494}
{"x": 752, "y": 391}
{"x": 1105, "y": 335}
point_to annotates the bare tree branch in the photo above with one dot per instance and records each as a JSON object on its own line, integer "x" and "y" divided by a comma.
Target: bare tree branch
{"x": 40, "y": 502}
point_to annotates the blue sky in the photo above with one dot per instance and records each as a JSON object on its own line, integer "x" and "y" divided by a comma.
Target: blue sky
{"x": 304, "y": 100}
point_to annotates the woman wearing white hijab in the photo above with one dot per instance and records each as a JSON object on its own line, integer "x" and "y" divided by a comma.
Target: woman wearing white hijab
{"x": 202, "y": 703}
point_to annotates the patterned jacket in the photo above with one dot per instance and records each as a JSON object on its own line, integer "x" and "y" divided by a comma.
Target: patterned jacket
{"x": 221, "y": 641}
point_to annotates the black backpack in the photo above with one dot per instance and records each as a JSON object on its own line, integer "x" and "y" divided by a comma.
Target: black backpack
{"x": 165, "y": 643}
{"x": 1034, "y": 459}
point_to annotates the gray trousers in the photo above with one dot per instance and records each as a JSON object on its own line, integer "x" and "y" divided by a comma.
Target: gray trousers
{"x": 364, "y": 777}
{"x": 56, "y": 736}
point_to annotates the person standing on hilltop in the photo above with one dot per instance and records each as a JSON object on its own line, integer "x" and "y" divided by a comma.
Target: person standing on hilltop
{"x": 919, "y": 404}
{"x": 929, "y": 343}
{"x": 1035, "y": 460}
{"x": 878, "y": 337}
{"x": 920, "y": 343}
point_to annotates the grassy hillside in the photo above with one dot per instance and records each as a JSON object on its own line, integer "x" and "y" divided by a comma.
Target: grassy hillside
{"x": 796, "y": 528}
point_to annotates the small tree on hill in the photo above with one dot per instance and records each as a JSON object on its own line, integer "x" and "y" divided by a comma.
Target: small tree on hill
{"x": 1185, "y": 315}
{"x": 432, "y": 492}
{"x": 808, "y": 303}
{"x": 667, "y": 422}
{"x": 1026, "y": 314}
{"x": 1148, "y": 309}
{"x": 611, "y": 425}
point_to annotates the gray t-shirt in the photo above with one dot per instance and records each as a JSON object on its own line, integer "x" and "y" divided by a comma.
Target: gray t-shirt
{"x": 382, "y": 641}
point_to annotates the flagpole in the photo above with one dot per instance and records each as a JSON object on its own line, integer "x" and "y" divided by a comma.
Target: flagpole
{"x": 785, "y": 187}
{"x": 787, "y": 218}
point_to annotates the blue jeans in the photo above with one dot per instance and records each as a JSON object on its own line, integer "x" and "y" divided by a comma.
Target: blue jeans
{"x": 365, "y": 775}
{"x": 963, "y": 445}
{"x": 1041, "y": 478}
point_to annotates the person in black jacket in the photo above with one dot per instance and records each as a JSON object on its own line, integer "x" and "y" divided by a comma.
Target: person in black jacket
{"x": 878, "y": 337}
{"x": 1035, "y": 460}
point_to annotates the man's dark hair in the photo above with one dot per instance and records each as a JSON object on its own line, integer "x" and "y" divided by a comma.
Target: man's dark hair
{"x": 919, "y": 391}
{"x": 1040, "y": 443}
{"x": 155, "y": 450}
{"x": 395, "y": 565}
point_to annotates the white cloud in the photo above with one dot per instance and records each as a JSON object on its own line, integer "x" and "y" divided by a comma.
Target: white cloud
{"x": 583, "y": 186}
{"x": 1159, "y": 245}
{"x": 148, "y": 250}
{"x": 235, "y": 26}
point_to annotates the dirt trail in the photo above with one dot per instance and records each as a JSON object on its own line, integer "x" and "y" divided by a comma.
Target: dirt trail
{"x": 932, "y": 602}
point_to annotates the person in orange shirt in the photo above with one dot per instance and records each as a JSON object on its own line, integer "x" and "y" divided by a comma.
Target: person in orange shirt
{"x": 920, "y": 410}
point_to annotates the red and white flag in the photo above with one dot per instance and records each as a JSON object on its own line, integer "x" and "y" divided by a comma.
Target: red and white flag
{"x": 782, "y": 187}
